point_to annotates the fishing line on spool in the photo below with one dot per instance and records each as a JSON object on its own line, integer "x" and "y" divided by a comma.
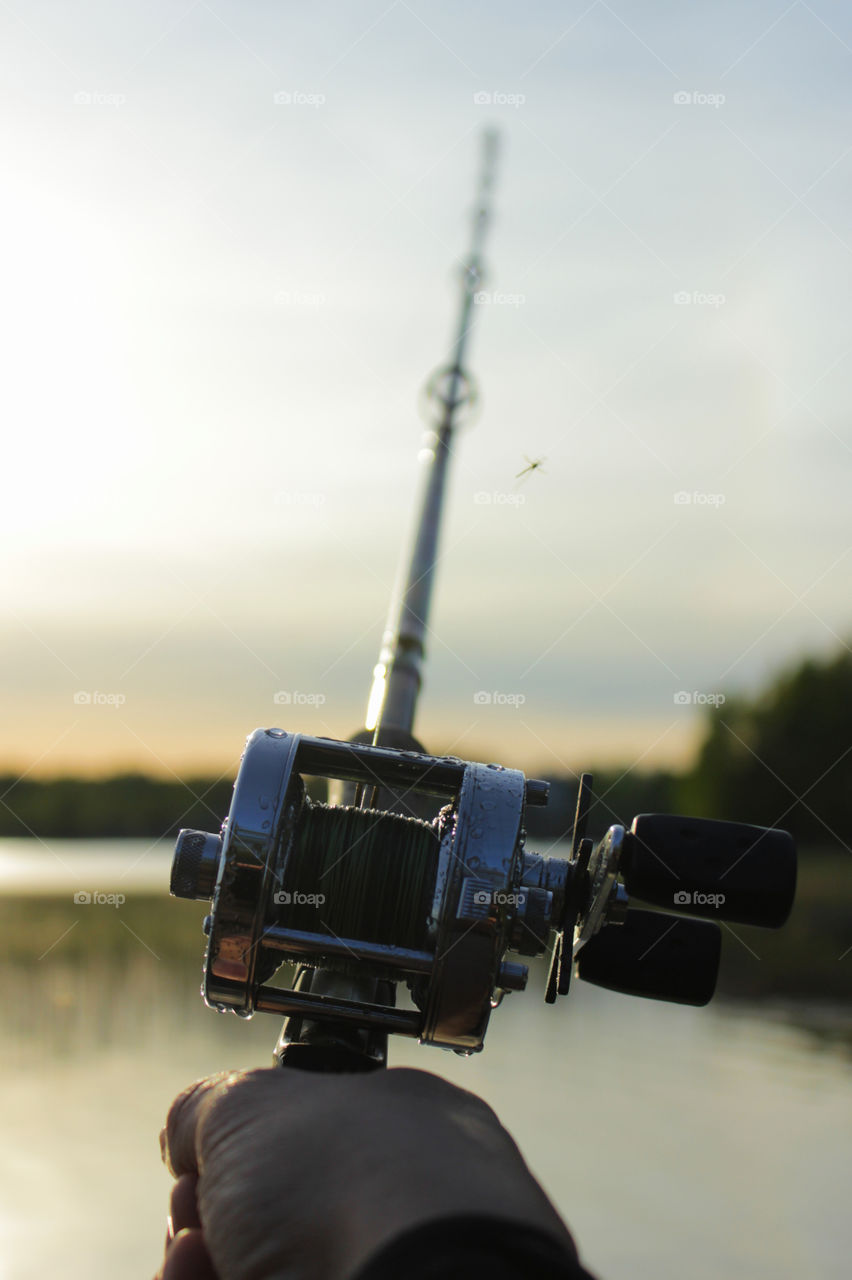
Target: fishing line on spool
{"x": 360, "y": 873}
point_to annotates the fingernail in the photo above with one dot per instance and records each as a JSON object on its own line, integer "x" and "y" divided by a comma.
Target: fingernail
{"x": 170, "y": 1230}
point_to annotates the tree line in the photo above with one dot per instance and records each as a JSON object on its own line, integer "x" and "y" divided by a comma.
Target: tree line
{"x": 782, "y": 758}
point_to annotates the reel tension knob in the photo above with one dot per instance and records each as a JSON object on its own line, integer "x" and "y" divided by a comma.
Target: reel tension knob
{"x": 195, "y": 865}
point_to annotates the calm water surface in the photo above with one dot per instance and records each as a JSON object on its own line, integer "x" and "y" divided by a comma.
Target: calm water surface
{"x": 677, "y": 1143}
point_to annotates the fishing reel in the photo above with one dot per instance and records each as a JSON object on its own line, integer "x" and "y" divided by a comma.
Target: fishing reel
{"x": 363, "y": 899}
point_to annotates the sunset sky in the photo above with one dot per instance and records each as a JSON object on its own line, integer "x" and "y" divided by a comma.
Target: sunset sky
{"x": 228, "y": 237}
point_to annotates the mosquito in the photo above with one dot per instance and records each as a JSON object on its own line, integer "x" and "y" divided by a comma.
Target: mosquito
{"x": 533, "y": 464}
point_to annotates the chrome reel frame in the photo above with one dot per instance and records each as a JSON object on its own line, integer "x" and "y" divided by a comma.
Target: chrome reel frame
{"x": 477, "y": 903}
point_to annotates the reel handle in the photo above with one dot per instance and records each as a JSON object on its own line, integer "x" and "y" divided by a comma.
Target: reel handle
{"x": 718, "y": 870}
{"x": 659, "y": 956}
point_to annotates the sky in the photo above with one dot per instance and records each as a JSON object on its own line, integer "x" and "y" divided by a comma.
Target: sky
{"x": 229, "y": 237}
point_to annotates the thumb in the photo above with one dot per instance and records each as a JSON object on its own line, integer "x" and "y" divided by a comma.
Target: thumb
{"x": 179, "y": 1138}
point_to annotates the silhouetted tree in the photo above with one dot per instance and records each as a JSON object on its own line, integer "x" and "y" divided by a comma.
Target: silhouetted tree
{"x": 784, "y": 758}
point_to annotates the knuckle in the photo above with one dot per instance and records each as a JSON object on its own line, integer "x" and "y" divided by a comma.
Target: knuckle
{"x": 177, "y": 1139}
{"x": 238, "y": 1100}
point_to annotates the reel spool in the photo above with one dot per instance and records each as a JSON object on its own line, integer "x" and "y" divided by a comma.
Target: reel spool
{"x": 370, "y": 894}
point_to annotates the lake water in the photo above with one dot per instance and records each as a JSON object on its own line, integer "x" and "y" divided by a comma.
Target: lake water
{"x": 677, "y": 1143}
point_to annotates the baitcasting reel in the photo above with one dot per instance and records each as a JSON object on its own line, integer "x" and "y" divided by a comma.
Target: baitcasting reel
{"x": 364, "y": 898}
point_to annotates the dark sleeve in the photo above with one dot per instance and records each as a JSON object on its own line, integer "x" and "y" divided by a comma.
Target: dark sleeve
{"x": 462, "y": 1248}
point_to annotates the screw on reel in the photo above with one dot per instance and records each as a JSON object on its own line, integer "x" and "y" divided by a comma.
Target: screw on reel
{"x": 383, "y": 898}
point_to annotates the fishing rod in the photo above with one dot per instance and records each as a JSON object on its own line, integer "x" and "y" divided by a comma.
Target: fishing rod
{"x": 416, "y": 876}
{"x": 397, "y": 675}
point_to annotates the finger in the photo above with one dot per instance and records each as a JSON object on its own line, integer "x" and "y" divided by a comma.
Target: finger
{"x": 177, "y": 1139}
{"x": 188, "y": 1258}
{"x": 183, "y": 1208}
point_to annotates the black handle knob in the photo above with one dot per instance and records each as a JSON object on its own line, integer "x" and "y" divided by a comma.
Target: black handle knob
{"x": 719, "y": 870}
{"x": 195, "y": 865}
{"x": 658, "y": 956}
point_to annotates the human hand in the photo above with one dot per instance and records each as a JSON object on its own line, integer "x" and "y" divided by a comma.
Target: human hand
{"x": 309, "y": 1176}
